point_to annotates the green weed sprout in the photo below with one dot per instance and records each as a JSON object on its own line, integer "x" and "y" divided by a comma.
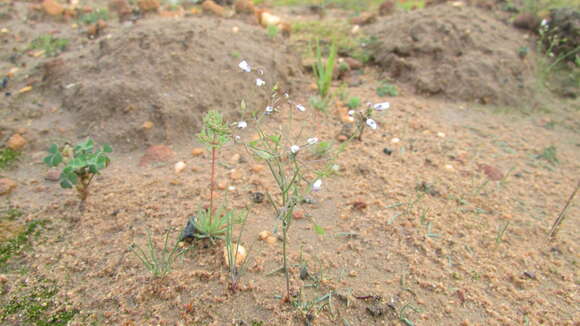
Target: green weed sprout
{"x": 7, "y": 157}
{"x": 387, "y": 89}
{"x": 93, "y": 17}
{"x": 82, "y": 163}
{"x": 323, "y": 70}
{"x": 353, "y": 103}
{"x": 233, "y": 246}
{"x": 214, "y": 134}
{"x": 50, "y": 45}
{"x": 318, "y": 102}
{"x": 158, "y": 263}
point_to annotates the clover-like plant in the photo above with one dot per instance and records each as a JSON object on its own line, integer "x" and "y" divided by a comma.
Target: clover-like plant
{"x": 81, "y": 164}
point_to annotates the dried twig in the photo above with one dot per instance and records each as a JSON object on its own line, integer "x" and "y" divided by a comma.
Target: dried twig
{"x": 562, "y": 215}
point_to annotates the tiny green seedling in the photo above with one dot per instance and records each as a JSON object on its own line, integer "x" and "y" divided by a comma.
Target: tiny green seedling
{"x": 319, "y": 103}
{"x": 7, "y": 157}
{"x": 214, "y": 134}
{"x": 353, "y": 103}
{"x": 82, "y": 164}
{"x": 51, "y": 46}
{"x": 387, "y": 89}
{"x": 93, "y": 17}
{"x": 272, "y": 31}
{"x": 158, "y": 263}
{"x": 323, "y": 70}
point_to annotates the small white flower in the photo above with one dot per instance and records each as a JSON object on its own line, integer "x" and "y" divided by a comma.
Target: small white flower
{"x": 382, "y": 106}
{"x": 294, "y": 149}
{"x": 269, "y": 109}
{"x": 317, "y": 185}
{"x": 260, "y": 82}
{"x": 300, "y": 107}
{"x": 312, "y": 141}
{"x": 286, "y": 95}
{"x": 335, "y": 167}
{"x": 544, "y": 22}
{"x": 242, "y": 124}
{"x": 371, "y": 123}
{"x": 351, "y": 113}
{"x": 245, "y": 66}
{"x": 237, "y": 138}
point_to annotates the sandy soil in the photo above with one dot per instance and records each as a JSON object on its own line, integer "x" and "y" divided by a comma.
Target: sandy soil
{"x": 417, "y": 227}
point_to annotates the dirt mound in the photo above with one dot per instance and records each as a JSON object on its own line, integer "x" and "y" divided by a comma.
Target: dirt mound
{"x": 461, "y": 53}
{"x": 151, "y": 82}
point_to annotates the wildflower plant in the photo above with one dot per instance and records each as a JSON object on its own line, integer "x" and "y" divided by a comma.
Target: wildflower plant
{"x": 283, "y": 150}
{"x": 82, "y": 163}
{"x": 215, "y": 133}
{"x": 364, "y": 118}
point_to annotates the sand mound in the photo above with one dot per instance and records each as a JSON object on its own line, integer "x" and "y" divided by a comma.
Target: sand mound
{"x": 461, "y": 53}
{"x": 168, "y": 72}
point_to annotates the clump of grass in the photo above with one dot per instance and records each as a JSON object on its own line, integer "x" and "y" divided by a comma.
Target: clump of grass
{"x": 233, "y": 247}
{"x": 319, "y": 103}
{"x": 158, "y": 262}
{"x": 8, "y": 157}
{"x": 387, "y": 89}
{"x": 94, "y": 16}
{"x": 35, "y": 305}
{"x": 272, "y": 31}
{"x": 15, "y": 245}
{"x": 353, "y": 103}
{"x": 52, "y": 46}
{"x": 324, "y": 69}
{"x": 501, "y": 231}
{"x": 549, "y": 154}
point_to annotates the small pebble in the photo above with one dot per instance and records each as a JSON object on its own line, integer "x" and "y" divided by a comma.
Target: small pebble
{"x": 264, "y": 234}
{"x": 395, "y": 140}
{"x": 387, "y": 151}
{"x": 197, "y": 151}
{"x": 179, "y": 166}
{"x": 441, "y": 135}
{"x": 257, "y": 197}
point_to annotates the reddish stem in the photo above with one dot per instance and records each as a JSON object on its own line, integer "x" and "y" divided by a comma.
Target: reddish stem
{"x": 213, "y": 152}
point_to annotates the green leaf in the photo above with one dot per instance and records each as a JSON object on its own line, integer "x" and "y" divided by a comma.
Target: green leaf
{"x": 263, "y": 154}
{"x": 107, "y": 148}
{"x": 53, "y": 160}
{"x": 102, "y": 162}
{"x": 68, "y": 178}
{"x": 53, "y": 149}
{"x": 275, "y": 139}
{"x": 319, "y": 229}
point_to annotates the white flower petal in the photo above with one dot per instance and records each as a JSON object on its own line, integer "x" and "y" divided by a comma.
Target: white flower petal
{"x": 300, "y": 107}
{"x": 371, "y": 123}
{"x": 269, "y": 109}
{"x": 351, "y": 113}
{"x": 260, "y": 82}
{"x": 242, "y": 124}
{"x": 317, "y": 185}
{"x": 245, "y": 66}
{"x": 382, "y": 106}
{"x": 312, "y": 141}
{"x": 294, "y": 149}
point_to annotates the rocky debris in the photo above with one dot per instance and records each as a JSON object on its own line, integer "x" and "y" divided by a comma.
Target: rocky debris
{"x": 257, "y": 197}
{"x": 244, "y": 7}
{"x": 16, "y": 142}
{"x": 527, "y": 21}
{"x": 197, "y": 151}
{"x": 179, "y": 167}
{"x": 214, "y": 8}
{"x": 188, "y": 233}
{"x": 491, "y": 172}
{"x": 156, "y": 154}
{"x": 6, "y": 186}
{"x": 95, "y": 30}
{"x": 52, "y": 7}
{"x": 387, "y": 8}
{"x": 240, "y": 254}
{"x": 52, "y": 175}
{"x": 148, "y": 5}
{"x": 121, "y": 8}
{"x": 264, "y": 234}
{"x": 364, "y": 18}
